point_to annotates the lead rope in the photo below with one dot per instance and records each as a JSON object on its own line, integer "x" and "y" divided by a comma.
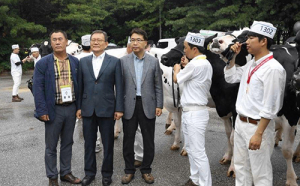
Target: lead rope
{"x": 178, "y": 93}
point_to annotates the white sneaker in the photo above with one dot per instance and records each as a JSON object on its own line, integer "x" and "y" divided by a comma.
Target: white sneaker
{"x": 98, "y": 148}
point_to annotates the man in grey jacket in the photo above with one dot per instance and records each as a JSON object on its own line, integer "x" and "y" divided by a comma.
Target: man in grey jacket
{"x": 143, "y": 101}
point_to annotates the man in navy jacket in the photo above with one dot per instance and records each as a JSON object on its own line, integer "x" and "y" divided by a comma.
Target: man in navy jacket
{"x": 55, "y": 92}
{"x": 101, "y": 101}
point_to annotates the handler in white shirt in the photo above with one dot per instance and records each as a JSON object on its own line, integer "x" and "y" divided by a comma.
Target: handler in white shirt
{"x": 260, "y": 97}
{"x": 86, "y": 46}
{"x": 35, "y": 55}
{"x": 196, "y": 78}
{"x": 16, "y": 72}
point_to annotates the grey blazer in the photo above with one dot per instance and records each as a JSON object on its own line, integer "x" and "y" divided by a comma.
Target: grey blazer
{"x": 151, "y": 87}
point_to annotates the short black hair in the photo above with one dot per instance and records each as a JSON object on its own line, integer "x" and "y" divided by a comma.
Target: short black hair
{"x": 261, "y": 37}
{"x": 139, "y": 31}
{"x": 59, "y": 31}
{"x": 100, "y": 32}
{"x": 200, "y": 48}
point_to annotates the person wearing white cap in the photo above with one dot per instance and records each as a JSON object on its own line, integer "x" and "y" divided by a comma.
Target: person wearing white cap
{"x": 196, "y": 78}
{"x": 86, "y": 48}
{"x": 35, "y": 55}
{"x": 16, "y": 72}
{"x": 260, "y": 97}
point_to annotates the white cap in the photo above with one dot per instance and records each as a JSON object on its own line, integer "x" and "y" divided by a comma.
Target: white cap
{"x": 263, "y": 28}
{"x": 128, "y": 41}
{"x": 15, "y": 46}
{"x": 86, "y": 40}
{"x": 34, "y": 49}
{"x": 195, "y": 39}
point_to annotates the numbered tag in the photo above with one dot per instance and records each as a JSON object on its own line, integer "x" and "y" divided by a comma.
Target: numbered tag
{"x": 66, "y": 93}
{"x": 263, "y": 28}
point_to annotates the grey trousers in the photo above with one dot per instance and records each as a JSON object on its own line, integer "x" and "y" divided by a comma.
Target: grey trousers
{"x": 62, "y": 126}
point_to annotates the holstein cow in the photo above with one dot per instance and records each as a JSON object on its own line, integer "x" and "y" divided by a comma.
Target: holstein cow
{"x": 223, "y": 94}
{"x": 295, "y": 84}
{"x": 171, "y": 100}
{"x": 288, "y": 116}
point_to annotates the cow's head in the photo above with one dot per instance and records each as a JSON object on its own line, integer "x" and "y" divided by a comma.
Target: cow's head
{"x": 175, "y": 54}
{"x": 221, "y": 45}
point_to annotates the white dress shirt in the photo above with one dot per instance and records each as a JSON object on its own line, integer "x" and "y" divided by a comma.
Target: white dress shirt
{"x": 97, "y": 63}
{"x": 196, "y": 79}
{"x": 264, "y": 97}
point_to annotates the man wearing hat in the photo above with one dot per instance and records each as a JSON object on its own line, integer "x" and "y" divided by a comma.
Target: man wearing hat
{"x": 35, "y": 55}
{"x": 196, "y": 79}
{"x": 86, "y": 49}
{"x": 260, "y": 97}
{"x": 16, "y": 72}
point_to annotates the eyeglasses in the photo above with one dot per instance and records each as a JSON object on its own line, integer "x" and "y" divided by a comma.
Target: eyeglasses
{"x": 136, "y": 40}
{"x": 97, "y": 40}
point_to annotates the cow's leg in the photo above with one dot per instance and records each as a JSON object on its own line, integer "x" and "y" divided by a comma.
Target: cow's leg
{"x": 229, "y": 152}
{"x": 287, "y": 151}
{"x": 177, "y": 121}
{"x": 169, "y": 120}
{"x": 117, "y": 128}
{"x": 231, "y": 170}
{"x": 278, "y": 130}
{"x": 296, "y": 156}
{"x": 172, "y": 126}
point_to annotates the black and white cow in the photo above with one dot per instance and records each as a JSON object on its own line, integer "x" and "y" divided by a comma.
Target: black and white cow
{"x": 288, "y": 116}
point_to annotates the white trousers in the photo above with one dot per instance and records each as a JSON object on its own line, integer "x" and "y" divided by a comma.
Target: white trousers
{"x": 138, "y": 145}
{"x": 194, "y": 125}
{"x": 17, "y": 82}
{"x": 253, "y": 166}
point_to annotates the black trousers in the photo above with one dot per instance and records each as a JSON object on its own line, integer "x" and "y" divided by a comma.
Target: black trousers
{"x": 129, "y": 128}
{"x": 106, "y": 128}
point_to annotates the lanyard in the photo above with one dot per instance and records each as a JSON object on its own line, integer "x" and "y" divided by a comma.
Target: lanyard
{"x": 58, "y": 68}
{"x": 257, "y": 67}
{"x": 201, "y": 57}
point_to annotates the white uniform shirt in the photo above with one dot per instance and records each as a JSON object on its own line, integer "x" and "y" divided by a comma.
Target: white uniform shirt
{"x": 35, "y": 60}
{"x": 196, "y": 79}
{"x": 14, "y": 58}
{"x": 265, "y": 90}
{"x": 97, "y": 63}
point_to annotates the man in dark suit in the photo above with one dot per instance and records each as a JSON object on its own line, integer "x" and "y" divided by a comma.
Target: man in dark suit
{"x": 55, "y": 92}
{"x": 143, "y": 101}
{"x": 100, "y": 103}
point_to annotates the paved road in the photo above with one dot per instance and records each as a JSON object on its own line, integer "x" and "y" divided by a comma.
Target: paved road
{"x": 22, "y": 149}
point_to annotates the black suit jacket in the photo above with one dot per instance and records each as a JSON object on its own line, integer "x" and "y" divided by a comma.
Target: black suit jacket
{"x": 102, "y": 94}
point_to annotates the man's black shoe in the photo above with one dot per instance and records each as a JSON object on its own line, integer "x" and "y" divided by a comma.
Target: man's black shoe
{"x": 87, "y": 180}
{"x": 106, "y": 181}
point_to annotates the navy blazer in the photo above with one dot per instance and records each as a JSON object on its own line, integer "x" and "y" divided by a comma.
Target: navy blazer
{"x": 103, "y": 94}
{"x": 44, "y": 86}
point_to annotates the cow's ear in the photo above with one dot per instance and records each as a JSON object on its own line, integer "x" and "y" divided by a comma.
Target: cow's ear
{"x": 209, "y": 39}
{"x": 177, "y": 40}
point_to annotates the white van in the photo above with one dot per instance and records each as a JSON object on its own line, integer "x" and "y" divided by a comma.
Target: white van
{"x": 167, "y": 43}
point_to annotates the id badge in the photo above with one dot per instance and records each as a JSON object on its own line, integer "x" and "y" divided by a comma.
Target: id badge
{"x": 66, "y": 93}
